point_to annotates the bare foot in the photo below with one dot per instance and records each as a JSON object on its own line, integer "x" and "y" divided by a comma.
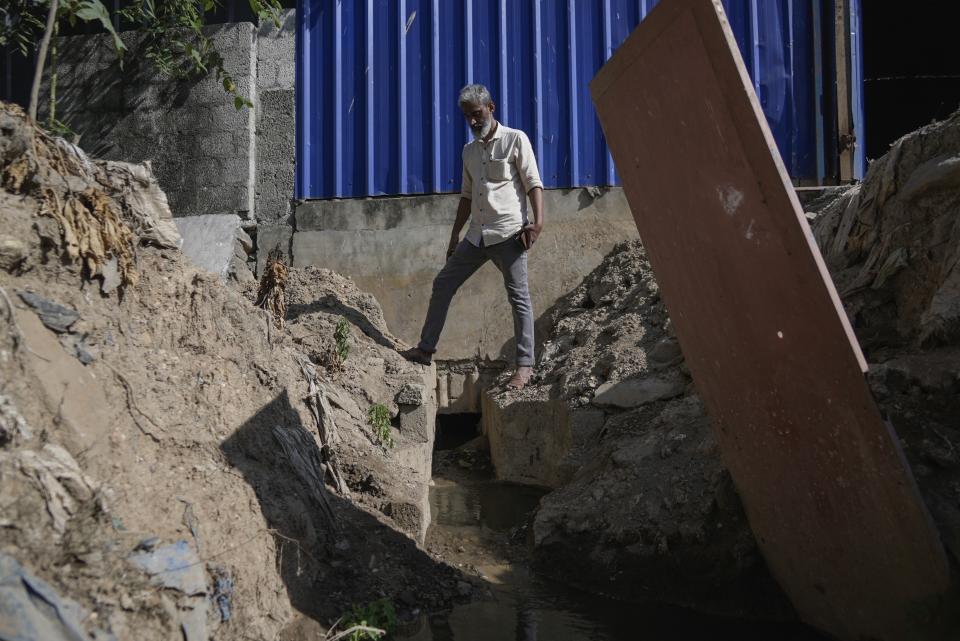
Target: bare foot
{"x": 520, "y": 378}
{"x": 417, "y": 355}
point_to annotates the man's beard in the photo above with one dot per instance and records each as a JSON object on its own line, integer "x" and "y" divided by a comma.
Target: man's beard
{"x": 482, "y": 133}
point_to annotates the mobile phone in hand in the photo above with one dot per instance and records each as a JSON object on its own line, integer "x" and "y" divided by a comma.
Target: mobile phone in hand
{"x": 522, "y": 237}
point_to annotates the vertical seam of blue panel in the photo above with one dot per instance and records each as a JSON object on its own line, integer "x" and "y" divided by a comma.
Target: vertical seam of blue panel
{"x": 371, "y": 137}
{"x": 642, "y": 7}
{"x": 574, "y": 106}
{"x": 435, "y": 21}
{"x": 818, "y": 89}
{"x": 856, "y": 89}
{"x": 402, "y": 84}
{"x": 504, "y": 93}
{"x": 795, "y": 114}
{"x": 538, "y": 81}
{"x": 338, "y": 191}
{"x": 607, "y": 53}
{"x": 755, "y": 32}
{"x": 468, "y": 27}
{"x": 300, "y": 85}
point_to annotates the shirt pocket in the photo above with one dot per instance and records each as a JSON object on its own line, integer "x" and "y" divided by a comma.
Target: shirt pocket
{"x": 499, "y": 171}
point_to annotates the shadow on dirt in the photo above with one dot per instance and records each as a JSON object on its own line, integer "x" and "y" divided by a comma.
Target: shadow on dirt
{"x": 328, "y": 566}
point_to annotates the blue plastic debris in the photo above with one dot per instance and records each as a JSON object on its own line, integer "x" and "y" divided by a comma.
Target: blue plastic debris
{"x": 222, "y": 593}
{"x": 174, "y": 566}
{"x": 31, "y": 610}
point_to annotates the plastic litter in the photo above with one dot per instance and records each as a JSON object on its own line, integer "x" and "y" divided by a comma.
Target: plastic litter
{"x": 174, "y": 566}
{"x": 222, "y": 592}
{"x": 30, "y": 609}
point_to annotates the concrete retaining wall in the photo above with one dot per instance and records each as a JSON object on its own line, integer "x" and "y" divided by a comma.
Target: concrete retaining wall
{"x": 394, "y": 247}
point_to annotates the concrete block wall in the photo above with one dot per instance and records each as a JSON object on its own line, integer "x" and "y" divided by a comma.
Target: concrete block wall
{"x": 275, "y": 134}
{"x": 201, "y": 147}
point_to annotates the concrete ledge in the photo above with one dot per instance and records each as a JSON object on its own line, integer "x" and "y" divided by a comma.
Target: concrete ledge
{"x": 460, "y": 385}
{"x": 528, "y": 440}
{"x": 377, "y": 214}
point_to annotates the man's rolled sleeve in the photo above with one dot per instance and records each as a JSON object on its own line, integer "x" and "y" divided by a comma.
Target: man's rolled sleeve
{"x": 527, "y": 165}
{"x": 466, "y": 183}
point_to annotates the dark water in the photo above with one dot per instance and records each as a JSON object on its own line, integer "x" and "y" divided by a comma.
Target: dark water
{"x": 482, "y": 504}
{"x": 526, "y": 607}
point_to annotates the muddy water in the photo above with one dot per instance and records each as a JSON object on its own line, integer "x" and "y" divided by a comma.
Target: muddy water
{"x": 482, "y": 527}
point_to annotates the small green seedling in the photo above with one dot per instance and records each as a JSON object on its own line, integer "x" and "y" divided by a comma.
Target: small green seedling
{"x": 377, "y": 614}
{"x": 379, "y": 417}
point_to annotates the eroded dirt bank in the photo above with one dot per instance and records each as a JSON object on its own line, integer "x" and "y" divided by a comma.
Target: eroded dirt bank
{"x": 144, "y": 408}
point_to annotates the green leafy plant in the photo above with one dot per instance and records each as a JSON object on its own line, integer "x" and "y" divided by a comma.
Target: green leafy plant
{"x": 379, "y": 614}
{"x": 379, "y": 418}
{"x": 21, "y": 25}
{"x": 174, "y": 42}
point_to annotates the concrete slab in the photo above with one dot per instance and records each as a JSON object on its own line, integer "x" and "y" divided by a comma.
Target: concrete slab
{"x": 833, "y": 505}
{"x": 209, "y": 240}
{"x": 529, "y": 439}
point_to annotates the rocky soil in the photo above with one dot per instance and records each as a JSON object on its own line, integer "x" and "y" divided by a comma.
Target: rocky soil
{"x": 144, "y": 412}
{"x": 645, "y": 508}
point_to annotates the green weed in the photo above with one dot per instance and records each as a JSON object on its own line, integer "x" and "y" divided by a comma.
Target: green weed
{"x": 378, "y": 614}
{"x": 379, "y": 417}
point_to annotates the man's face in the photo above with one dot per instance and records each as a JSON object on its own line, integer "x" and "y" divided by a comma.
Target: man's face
{"x": 479, "y": 117}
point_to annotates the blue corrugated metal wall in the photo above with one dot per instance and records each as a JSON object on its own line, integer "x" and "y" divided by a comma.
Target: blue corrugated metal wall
{"x": 378, "y": 80}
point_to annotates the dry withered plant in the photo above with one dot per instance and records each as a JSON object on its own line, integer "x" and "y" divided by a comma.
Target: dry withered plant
{"x": 63, "y": 180}
{"x": 271, "y": 294}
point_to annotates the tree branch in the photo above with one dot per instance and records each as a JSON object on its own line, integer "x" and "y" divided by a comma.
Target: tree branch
{"x": 41, "y": 58}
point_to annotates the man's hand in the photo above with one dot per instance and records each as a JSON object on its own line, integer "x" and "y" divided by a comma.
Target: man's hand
{"x": 452, "y": 247}
{"x": 530, "y": 234}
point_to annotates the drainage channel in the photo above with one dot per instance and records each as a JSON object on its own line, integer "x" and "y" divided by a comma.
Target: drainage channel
{"x": 483, "y": 527}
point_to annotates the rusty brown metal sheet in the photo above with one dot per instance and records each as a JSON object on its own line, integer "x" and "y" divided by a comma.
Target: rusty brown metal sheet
{"x": 829, "y": 496}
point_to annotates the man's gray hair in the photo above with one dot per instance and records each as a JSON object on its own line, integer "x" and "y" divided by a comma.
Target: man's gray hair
{"x": 475, "y": 95}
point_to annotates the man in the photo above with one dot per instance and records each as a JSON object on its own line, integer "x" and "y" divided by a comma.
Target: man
{"x": 499, "y": 174}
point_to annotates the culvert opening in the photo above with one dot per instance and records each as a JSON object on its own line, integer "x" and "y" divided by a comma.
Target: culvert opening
{"x": 455, "y": 430}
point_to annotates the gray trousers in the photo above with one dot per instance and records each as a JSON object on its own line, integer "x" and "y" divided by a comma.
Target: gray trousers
{"x": 511, "y": 259}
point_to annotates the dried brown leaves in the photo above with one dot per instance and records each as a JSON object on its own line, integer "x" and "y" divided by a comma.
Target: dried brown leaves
{"x": 271, "y": 294}
{"x": 92, "y": 229}
{"x": 93, "y": 232}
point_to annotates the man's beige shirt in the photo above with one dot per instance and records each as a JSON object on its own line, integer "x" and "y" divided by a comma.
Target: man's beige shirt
{"x": 497, "y": 175}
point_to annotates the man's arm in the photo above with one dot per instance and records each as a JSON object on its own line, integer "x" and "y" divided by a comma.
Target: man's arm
{"x": 532, "y": 230}
{"x": 530, "y": 176}
{"x": 463, "y": 213}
